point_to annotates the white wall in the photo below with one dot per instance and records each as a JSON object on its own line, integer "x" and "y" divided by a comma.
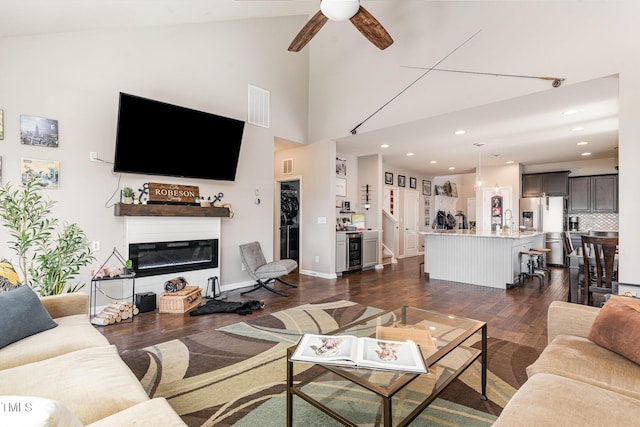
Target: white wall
{"x": 579, "y": 41}
{"x": 315, "y": 165}
{"x": 75, "y": 78}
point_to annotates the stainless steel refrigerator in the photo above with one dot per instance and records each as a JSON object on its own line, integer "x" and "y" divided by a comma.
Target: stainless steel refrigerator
{"x": 546, "y": 214}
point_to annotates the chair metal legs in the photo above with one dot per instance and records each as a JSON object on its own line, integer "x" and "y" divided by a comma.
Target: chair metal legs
{"x": 531, "y": 273}
{"x": 263, "y": 284}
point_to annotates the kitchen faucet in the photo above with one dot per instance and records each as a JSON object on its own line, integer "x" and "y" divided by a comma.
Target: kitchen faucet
{"x": 508, "y": 216}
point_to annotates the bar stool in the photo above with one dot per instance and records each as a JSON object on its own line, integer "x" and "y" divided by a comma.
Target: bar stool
{"x": 541, "y": 263}
{"x": 531, "y": 268}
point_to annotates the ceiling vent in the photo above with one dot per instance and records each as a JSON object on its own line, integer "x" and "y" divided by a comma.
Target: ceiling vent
{"x": 258, "y": 106}
{"x": 287, "y": 166}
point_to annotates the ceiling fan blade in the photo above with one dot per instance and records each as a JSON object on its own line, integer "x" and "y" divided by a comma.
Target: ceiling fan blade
{"x": 308, "y": 31}
{"x": 371, "y": 29}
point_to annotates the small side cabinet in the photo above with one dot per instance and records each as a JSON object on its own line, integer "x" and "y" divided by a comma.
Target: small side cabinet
{"x": 341, "y": 252}
{"x": 369, "y": 249}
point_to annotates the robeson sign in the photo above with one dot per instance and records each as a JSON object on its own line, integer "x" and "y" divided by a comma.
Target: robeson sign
{"x": 173, "y": 193}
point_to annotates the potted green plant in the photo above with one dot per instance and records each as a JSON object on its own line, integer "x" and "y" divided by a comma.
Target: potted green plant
{"x": 49, "y": 254}
{"x": 127, "y": 195}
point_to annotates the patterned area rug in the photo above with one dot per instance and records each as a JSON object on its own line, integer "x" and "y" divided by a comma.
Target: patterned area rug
{"x": 236, "y": 375}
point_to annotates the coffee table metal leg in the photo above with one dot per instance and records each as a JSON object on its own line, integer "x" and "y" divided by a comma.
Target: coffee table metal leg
{"x": 289, "y": 391}
{"x": 484, "y": 363}
{"x": 386, "y": 402}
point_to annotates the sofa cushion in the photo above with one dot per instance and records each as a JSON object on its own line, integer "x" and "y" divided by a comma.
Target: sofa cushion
{"x": 30, "y": 411}
{"x": 551, "y": 400}
{"x": 154, "y": 412}
{"x": 22, "y": 315}
{"x": 73, "y": 333}
{"x": 93, "y": 383}
{"x": 583, "y": 360}
{"x": 617, "y": 328}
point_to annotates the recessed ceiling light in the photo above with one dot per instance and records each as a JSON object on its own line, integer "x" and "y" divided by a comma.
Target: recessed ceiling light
{"x": 409, "y": 154}
{"x": 577, "y": 128}
{"x": 570, "y": 112}
{"x": 585, "y": 154}
{"x": 460, "y": 132}
{"x": 478, "y": 144}
{"x": 451, "y": 168}
{"x": 433, "y": 162}
{"x": 582, "y": 143}
{"x": 384, "y": 146}
{"x": 509, "y": 162}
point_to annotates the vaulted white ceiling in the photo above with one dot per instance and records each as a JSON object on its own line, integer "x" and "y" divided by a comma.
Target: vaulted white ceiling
{"x": 527, "y": 129}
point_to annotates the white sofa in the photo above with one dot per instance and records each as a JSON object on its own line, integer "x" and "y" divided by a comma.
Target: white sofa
{"x": 576, "y": 382}
{"x": 72, "y": 368}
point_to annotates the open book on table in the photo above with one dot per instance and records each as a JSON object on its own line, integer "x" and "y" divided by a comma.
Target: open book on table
{"x": 363, "y": 352}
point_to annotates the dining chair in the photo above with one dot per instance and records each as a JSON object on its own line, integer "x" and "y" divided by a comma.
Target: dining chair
{"x": 600, "y": 265}
{"x": 568, "y": 250}
{"x": 603, "y": 233}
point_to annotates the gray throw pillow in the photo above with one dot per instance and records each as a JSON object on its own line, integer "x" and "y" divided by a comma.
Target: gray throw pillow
{"x": 22, "y": 315}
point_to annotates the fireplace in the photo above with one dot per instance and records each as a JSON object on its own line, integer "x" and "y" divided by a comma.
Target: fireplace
{"x": 155, "y": 258}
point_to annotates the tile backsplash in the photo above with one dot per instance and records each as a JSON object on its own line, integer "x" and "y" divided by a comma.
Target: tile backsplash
{"x": 598, "y": 222}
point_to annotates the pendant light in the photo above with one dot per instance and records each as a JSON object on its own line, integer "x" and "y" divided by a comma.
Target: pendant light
{"x": 479, "y": 168}
{"x": 496, "y": 189}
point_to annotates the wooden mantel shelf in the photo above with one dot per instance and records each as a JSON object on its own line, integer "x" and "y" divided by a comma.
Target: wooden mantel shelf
{"x": 121, "y": 209}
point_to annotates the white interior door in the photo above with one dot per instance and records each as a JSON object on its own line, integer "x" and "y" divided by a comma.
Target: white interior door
{"x": 411, "y": 222}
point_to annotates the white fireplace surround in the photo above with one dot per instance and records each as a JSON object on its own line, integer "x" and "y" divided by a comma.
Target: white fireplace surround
{"x": 147, "y": 229}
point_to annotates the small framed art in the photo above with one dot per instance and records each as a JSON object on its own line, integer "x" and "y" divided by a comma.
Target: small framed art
{"x": 413, "y": 183}
{"x": 341, "y": 167}
{"x": 426, "y": 187}
{"x": 402, "y": 181}
{"x": 45, "y": 172}
{"x": 38, "y": 131}
{"x": 341, "y": 187}
{"x": 388, "y": 178}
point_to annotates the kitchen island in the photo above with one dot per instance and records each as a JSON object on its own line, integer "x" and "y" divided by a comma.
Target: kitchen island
{"x": 485, "y": 259}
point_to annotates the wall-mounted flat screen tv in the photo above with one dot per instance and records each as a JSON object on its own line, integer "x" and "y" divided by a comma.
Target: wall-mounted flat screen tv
{"x": 157, "y": 138}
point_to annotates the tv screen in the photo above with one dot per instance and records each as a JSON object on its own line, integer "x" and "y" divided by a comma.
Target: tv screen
{"x": 156, "y": 138}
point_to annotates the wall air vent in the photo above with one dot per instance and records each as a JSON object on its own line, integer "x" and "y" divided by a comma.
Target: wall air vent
{"x": 258, "y": 106}
{"x": 287, "y": 166}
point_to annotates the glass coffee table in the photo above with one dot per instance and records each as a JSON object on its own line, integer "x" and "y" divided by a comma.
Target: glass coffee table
{"x": 356, "y": 396}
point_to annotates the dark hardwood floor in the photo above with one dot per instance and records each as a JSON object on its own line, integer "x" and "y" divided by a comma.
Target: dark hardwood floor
{"x": 517, "y": 315}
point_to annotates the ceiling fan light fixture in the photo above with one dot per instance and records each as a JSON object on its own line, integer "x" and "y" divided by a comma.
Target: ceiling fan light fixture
{"x": 339, "y": 10}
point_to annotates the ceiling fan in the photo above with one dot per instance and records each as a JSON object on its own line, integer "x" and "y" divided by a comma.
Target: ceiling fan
{"x": 341, "y": 10}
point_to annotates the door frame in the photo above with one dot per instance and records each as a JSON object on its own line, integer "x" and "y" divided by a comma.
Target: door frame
{"x": 277, "y": 213}
{"x": 411, "y": 237}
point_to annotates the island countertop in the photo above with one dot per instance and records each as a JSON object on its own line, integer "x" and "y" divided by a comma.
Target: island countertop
{"x": 474, "y": 233}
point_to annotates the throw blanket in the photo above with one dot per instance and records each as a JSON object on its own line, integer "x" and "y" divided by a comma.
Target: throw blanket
{"x": 215, "y": 306}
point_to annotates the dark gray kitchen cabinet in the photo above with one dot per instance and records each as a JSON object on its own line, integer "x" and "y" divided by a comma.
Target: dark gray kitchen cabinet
{"x": 605, "y": 193}
{"x": 593, "y": 194}
{"x": 548, "y": 184}
{"x": 532, "y": 185}
{"x": 580, "y": 194}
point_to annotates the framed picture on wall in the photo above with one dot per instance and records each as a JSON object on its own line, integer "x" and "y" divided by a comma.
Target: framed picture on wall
{"x": 1, "y": 124}
{"x": 341, "y": 167}
{"x": 413, "y": 183}
{"x": 38, "y": 131}
{"x": 388, "y": 178}
{"x": 426, "y": 187}
{"x": 402, "y": 181}
{"x": 341, "y": 187}
{"x": 45, "y": 172}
